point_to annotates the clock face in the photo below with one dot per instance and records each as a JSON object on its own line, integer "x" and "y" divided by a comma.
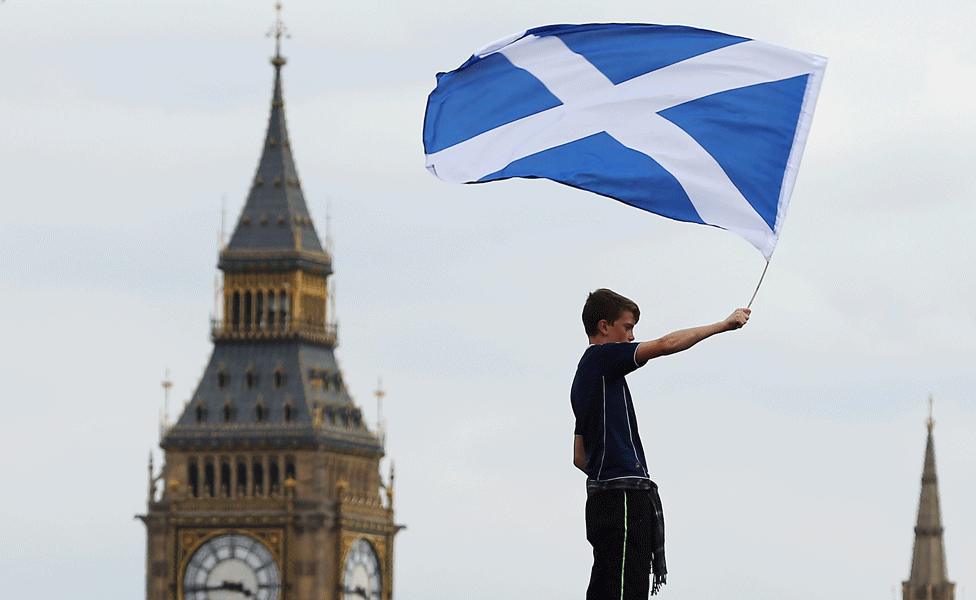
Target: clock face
{"x": 231, "y": 567}
{"x": 361, "y": 579}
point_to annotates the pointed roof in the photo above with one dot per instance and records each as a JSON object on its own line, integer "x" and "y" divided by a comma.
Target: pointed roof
{"x": 928, "y": 557}
{"x": 265, "y": 388}
{"x": 303, "y": 399}
{"x": 275, "y": 225}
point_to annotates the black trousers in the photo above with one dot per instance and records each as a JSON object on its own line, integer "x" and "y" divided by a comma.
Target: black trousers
{"x": 625, "y": 528}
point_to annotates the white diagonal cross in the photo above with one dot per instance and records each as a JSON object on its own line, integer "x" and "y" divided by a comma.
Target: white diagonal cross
{"x": 628, "y": 111}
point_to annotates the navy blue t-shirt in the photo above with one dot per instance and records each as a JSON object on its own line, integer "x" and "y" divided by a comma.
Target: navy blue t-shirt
{"x": 604, "y": 412}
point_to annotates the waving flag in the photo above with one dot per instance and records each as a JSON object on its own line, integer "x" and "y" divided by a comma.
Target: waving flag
{"x": 693, "y": 125}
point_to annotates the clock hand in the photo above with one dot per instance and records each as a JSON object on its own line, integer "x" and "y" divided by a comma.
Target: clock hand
{"x": 225, "y": 586}
{"x": 206, "y": 588}
{"x": 235, "y": 586}
{"x": 358, "y": 590}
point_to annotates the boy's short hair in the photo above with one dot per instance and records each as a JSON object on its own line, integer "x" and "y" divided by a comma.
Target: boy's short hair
{"x": 606, "y": 304}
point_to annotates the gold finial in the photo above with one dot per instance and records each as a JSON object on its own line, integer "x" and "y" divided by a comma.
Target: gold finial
{"x": 931, "y": 422}
{"x": 278, "y": 30}
{"x": 167, "y": 384}
{"x": 380, "y": 393}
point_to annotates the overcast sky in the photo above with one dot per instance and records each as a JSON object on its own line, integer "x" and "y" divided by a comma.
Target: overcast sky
{"x": 788, "y": 454}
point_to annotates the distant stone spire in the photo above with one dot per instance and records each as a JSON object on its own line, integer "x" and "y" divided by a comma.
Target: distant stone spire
{"x": 929, "y": 578}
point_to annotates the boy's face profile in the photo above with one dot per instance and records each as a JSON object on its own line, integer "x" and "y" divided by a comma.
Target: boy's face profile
{"x": 620, "y": 330}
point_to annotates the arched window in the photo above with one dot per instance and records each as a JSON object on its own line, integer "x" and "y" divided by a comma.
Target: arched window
{"x": 241, "y": 478}
{"x": 273, "y": 476}
{"x": 224, "y": 477}
{"x": 250, "y": 378}
{"x": 283, "y": 309}
{"x": 260, "y": 413}
{"x": 289, "y": 468}
{"x": 259, "y": 309}
{"x": 194, "y": 478}
{"x": 201, "y": 412}
{"x": 228, "y": 412}
{"x": 279, "y": 378}
{"x": 208, "y": 478}
{"x": 222, "y": 379}
{"x": 288, "y": 411}
{"x": 258, "y": 478}
{"x": 235, "y": 310}
{"x": 247, "y": 310}
{"x": 272, "y": 308}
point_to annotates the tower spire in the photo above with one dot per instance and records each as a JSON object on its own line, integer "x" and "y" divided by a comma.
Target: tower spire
{"x": 275, "y": 227}
{"x": 929, "y": 579}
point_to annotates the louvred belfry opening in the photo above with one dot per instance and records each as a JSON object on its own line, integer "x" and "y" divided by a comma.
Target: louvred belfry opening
{"x": 275, "y": 267}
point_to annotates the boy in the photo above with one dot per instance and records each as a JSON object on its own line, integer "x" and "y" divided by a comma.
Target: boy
{"x": 624, "y": 521}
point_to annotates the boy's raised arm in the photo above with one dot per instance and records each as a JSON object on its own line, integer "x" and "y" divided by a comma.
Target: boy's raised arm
{"x": 680, "y": 340}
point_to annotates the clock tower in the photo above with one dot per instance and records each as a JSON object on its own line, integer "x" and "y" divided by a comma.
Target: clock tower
{"x": 271, "y": 484}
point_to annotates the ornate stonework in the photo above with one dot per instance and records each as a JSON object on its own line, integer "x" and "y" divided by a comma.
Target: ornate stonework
{"x": 271, "y": 452}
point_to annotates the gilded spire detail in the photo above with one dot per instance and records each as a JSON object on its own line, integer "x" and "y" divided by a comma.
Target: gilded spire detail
{"x": 278, "y": 31}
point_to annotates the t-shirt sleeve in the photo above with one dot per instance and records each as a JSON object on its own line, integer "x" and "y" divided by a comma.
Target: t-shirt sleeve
{"x": 617, "y": 359}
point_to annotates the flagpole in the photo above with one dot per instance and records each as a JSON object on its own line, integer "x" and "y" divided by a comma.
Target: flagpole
{"x": 758, "y": 284}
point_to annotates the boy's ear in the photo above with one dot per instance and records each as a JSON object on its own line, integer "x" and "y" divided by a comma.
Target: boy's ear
{"x": 603, "y": 326}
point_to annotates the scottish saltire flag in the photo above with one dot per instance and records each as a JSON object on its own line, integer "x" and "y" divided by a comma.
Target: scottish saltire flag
{"x": 693, "y": 125}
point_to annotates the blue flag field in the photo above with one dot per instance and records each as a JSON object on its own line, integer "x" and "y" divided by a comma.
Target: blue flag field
{"x": 689, "y": 124}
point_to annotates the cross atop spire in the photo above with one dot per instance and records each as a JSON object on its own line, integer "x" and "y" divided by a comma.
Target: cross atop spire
{"x": 278, "y": 30}
{"x": 931, "y": 422}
